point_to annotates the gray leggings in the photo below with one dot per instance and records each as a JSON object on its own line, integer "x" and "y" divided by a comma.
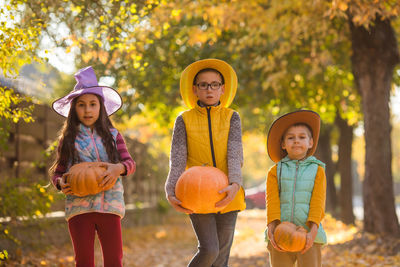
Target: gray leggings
{"x": 214, "y": 233}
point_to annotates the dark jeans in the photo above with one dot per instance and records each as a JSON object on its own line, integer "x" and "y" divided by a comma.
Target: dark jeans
{"x": 215, "y": 235}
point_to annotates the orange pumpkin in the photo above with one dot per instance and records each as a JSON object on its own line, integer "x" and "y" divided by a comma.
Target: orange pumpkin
{"x": 85, "y": 177}
{"x": 197, "y": 188}
{"x": 290, "y": 237}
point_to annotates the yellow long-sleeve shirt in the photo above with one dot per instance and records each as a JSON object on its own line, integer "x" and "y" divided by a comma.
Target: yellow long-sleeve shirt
{"x": 317, "y": 202}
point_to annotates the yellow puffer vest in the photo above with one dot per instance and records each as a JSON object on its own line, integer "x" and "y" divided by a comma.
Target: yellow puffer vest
{"x": 207, "y": 130}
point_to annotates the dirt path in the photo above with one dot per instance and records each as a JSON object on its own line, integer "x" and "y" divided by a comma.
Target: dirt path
{"x": 249, "y": 248}
{"x": 172, "y": 244}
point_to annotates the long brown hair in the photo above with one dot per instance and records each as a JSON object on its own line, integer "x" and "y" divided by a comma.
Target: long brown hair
{"x": 66, "y": 149}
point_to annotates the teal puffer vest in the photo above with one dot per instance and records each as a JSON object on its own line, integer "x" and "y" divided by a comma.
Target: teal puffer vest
{"x": 296, "y": 183}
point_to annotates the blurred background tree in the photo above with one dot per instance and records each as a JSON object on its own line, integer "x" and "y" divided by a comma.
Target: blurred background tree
{"x": 336, "y": 57}
{"x": 19, "y": 38}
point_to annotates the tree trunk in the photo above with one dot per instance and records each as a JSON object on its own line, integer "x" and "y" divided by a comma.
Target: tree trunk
{"x": 324, "y": 153}
{"x": 345, "y": 170}
{"x": 375, "y": 55}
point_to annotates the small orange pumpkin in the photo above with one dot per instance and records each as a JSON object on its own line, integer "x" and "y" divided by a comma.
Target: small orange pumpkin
{"x": 197, "y": 188}
{"x": 85, "y": 177}
{"x": 290, "y": 237}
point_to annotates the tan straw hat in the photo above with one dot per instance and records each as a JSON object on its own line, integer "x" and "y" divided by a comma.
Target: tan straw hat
{"x": 187, "y": 76}
{"x": 280, "y": 125}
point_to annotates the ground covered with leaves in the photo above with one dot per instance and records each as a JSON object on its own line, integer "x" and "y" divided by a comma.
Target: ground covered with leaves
{"x": 172, "y": 244}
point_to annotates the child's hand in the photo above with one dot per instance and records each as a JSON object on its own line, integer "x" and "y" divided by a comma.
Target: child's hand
{"x": 271, "y": 229}
{"x": 111, "y": 175}
{"x": 65, "y": 187}
{"x": 176, "y": 203}
{"x": 310, "y": 237}
{"x": 231, "y": 191}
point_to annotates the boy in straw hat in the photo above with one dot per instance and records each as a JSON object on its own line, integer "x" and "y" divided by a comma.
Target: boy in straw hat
{"x": 209, "y": 133}
{"x": 296, "y": 186}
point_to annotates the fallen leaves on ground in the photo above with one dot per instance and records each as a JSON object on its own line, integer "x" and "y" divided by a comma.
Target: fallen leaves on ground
{"x": 349, "y": 246}
{"x": 172, "y": 244}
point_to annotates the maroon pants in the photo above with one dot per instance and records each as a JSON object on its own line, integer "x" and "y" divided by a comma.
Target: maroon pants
{"x": 83, "y": 228}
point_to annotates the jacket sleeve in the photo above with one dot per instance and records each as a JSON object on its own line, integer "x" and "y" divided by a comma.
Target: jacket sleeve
{"x": 272, "y": 196}
{"x": 126, "y": 158}
{"x": 178, "y": 156}
{"x": 235, "y": 150}
{"x": 318, "y": 198}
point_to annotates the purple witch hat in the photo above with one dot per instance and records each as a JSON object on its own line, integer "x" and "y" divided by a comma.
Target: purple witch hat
{"x": 87, "y": 84}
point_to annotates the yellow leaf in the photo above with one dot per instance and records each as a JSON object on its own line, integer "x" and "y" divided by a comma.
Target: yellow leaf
{"x": 357, "y": 19}
{"x": 166, "y": 26}
{"x": 133, "y": 9}
{"x": 175, "y": 12}
{"x": 343, "y": 6}
{"x": 76, "y": 9}
{"x": 161, "y": 234}
{"x": 97, "y": 41}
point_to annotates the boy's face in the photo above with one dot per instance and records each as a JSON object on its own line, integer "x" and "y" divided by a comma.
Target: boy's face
{"x": 297, "y": 141}
{"x": 88, "y": 109}
{"x": 208, "y": 96}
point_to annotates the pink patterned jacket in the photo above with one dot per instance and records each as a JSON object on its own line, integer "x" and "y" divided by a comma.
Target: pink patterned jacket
{"x": 90, "y": 149}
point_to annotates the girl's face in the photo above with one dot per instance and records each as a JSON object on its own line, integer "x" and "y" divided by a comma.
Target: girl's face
{"x": 297, "y": 141}
{"x": 208, "y": 96}
{"x": 88, "y": 109}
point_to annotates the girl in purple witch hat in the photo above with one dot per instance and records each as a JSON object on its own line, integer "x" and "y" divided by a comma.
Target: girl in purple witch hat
{"x": 89, "y": 136}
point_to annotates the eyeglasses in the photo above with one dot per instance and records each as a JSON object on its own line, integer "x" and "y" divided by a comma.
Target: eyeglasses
{"x": 204, "y": 85}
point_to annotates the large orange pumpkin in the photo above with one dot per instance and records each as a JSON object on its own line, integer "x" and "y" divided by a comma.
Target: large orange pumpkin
{"x": 290, "y": 237}
{"x": 85, "y": 177}
{"x": 197, "y": 188}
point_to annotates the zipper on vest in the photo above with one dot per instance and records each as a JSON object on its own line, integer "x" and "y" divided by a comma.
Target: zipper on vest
{"x": 98, "y": 158}
{"x": 94, "y": 144}
{"x": 210, "y": 134}
{"x": 294, "y": 191}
